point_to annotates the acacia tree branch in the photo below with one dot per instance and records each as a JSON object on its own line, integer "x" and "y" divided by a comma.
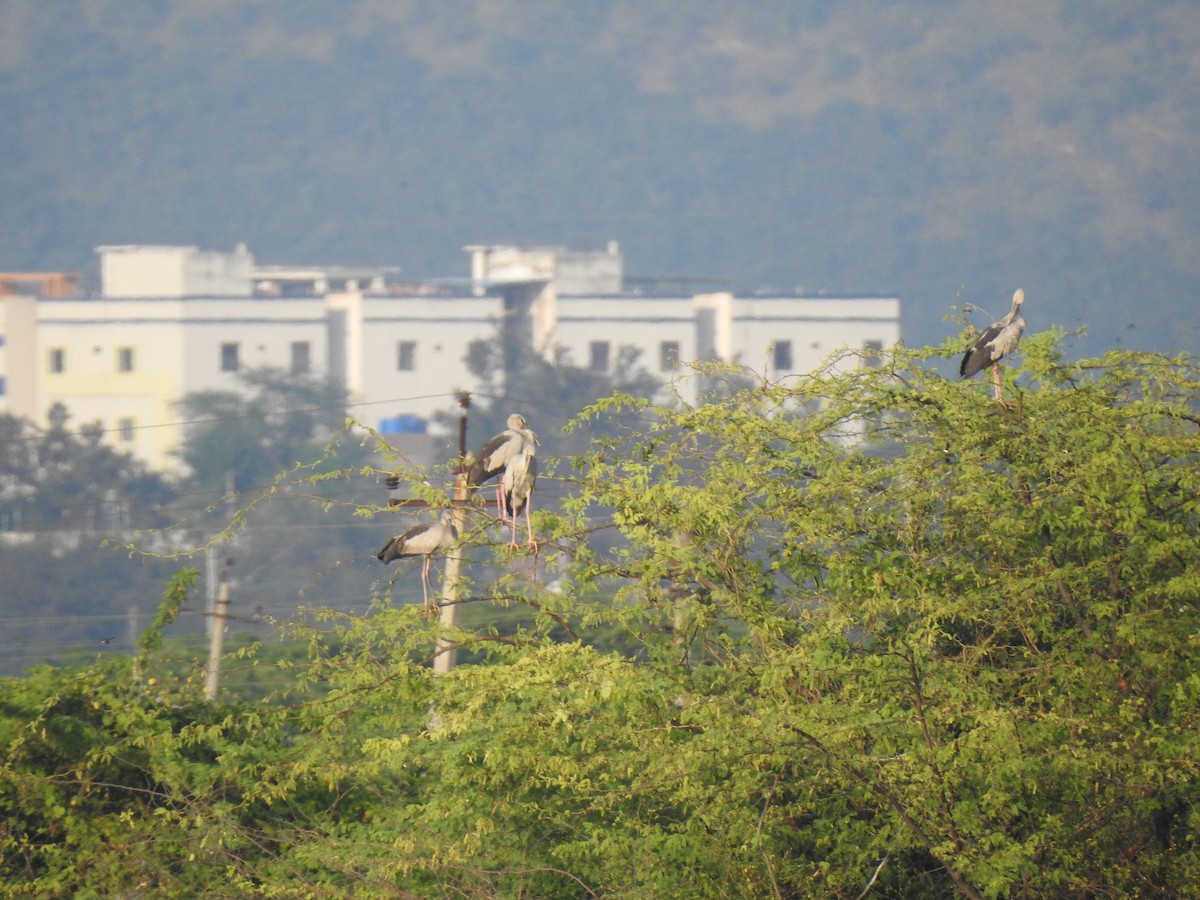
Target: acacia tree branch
{"x": 874, "y": 875}
{"x": 919, "y": 701}
{"x": 885, "y": 796}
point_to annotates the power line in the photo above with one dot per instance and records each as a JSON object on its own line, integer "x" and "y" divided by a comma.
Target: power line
{"x": 337, "y": 603}
{"x": 77, "y": 617}
{"x": 263, "y": 618}
{"x": 85, "y": 431}
{"x": 137, "y": 505}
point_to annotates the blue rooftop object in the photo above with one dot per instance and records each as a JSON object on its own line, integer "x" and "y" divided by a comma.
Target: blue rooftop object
{"x": 402, "y": 425}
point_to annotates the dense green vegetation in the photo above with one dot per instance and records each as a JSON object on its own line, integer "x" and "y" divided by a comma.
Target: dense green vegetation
{"x": 947, "y": 152}
{"x": 908, "y": 644}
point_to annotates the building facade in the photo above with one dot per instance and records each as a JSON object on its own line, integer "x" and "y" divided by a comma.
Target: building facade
{"x": 127, "y": 363}
{"x": 776, "y": 336}
{"x": 401, "y": 349}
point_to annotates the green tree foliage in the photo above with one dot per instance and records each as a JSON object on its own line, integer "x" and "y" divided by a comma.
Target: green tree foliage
{"x": 64, "y": 495}
{"x": 277, "y": 422}
{"x": 115, "y": 781}
{"x": 59, "y": 478}
{"x": 910, "y": 643}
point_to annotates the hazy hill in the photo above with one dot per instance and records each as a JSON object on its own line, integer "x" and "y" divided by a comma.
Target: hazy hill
{"x": 947, "y": 151}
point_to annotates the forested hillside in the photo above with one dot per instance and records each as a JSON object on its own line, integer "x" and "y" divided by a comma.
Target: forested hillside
{"x": 948, "y": 152}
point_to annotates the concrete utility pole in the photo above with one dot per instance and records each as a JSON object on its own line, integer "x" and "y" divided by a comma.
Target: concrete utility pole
{"x": 217, "y": 639}
{"x": 211, "y": 562}
{"x": 445, "y": 657}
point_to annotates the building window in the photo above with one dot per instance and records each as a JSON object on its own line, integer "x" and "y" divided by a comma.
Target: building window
{"x": 406, "y": 356}
{"x": 301, "y": 355}
{"x": 58, "y": 359}
{"x": 3, "y": 386}
{"x": 125, "y": 429}
{"x": 229, "y": 358}
{"x": 782, "y": 356}
{"x": 668, "y": 355}
{"x": 599, "y": 356}
{"x": 872, "y": 354}
{"x": 124, "y": 359}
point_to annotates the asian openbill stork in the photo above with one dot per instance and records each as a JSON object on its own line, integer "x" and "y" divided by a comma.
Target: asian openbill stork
{"x": 513, "y": 455}
{"x": 423, "y": 540}
{"x": 999, "y": 340}
{"x": 516, "y": 488}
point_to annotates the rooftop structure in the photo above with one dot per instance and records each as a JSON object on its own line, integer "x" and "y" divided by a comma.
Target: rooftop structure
{"x": 299, "y": 281}
{"x": 39, "y": 284}
{"x": 149, "y": 270}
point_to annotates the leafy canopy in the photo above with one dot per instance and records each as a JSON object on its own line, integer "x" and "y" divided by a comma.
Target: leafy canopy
{"x": 907, "y": 641}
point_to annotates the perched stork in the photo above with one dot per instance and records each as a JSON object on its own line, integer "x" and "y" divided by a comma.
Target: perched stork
{"x": 512, "y": 454}
{"x": 999, "y": 340}
{"x": 516, "y": 490}
{"x": 423, "y": 540}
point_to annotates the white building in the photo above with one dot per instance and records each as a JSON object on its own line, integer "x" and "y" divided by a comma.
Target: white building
{"x": 126, "y": 358}
{"x": 126, "y": 363}
{"x": 575, "y": 309}
{"x": 775, "y": 335}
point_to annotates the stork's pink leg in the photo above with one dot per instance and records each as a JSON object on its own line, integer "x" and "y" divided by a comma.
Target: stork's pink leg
{"x": 425, "y": 580}
{"x": 529, "y": 525}
{"x": 996, "y": 382}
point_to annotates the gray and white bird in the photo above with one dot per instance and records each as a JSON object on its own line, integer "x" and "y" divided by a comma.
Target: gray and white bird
{"x": 423, "y": 540}
{"x": 516, "y": 490}
{"x": 999, "y": 340}
{"x": 513, "y": 455}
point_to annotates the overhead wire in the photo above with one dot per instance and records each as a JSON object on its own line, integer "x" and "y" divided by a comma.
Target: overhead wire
{"x": 271, "y": 616}
{"x": 87, "y": 430}
{"x": 135, "y": 507}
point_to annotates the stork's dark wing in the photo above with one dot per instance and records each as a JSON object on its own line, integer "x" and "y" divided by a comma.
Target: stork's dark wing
{"x": 979, "y": 354}
{"x": 492, "y": 457}
{"x": 397, "y": 546}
